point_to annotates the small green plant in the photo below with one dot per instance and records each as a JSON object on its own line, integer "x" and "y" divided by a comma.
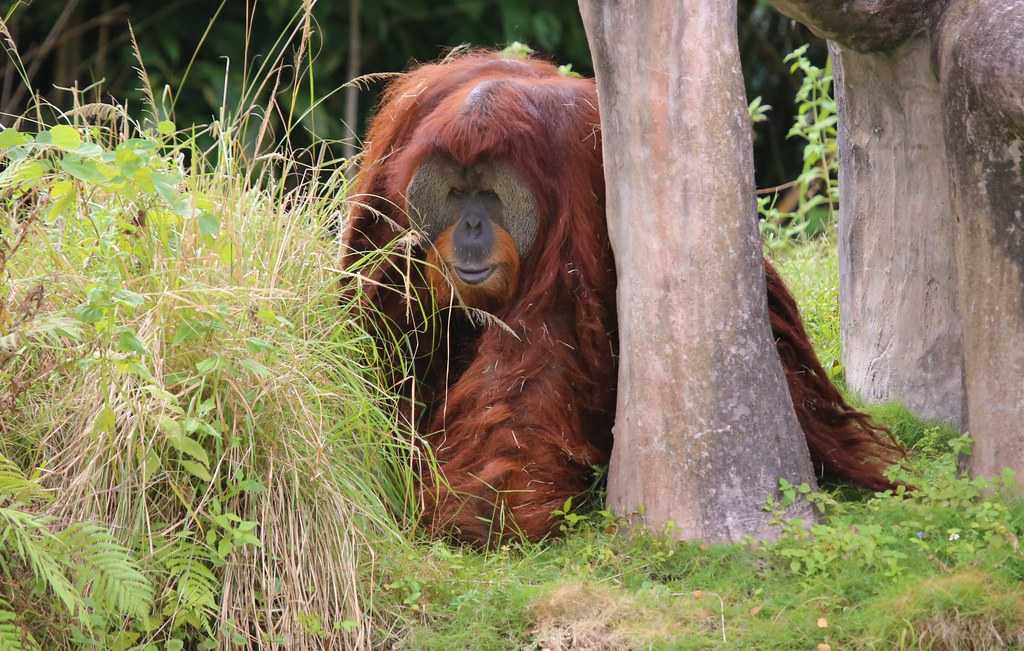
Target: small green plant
{"x": 945, "y": 517}
{"x": 817, "y": 187}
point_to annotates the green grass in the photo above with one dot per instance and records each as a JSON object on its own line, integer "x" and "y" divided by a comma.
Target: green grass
{"x": 177, "y": 369}
{"x": 939, "y": 569}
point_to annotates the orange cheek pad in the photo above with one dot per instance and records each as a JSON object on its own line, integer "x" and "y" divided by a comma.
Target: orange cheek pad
{"x": 438, "y": 273}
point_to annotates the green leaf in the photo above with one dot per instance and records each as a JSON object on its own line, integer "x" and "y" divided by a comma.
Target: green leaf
{"x": 30, "y": 172}
{"x": 266, "y": 316}
{"x": 257, "y": 345}
{"x": 13, "y": 138}
{"x": 104, "y": 420}
{"x": 209, "y": 224}
{"x": 128, "y": 297}
{"x": 256, "y": 368}
{"x": 517, "y": 50}
{"x": 169, "y": 426}
{"x": 224, "y": 547}
{"x": 195, "y": 469}
{"x": 62, "y": 194}
{"x": 82, "y": 169}
{"x": 127, "y": 342}
{"x": 166, "y": 186}
{"x": 165, "y": 128}
{"x": 150, "y": 464}
{"x": 191, "y": 447}
{"x": 65, "y": 137}
{"x": 209, "y": 365}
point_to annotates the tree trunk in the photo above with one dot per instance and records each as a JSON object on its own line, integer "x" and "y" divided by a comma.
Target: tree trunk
{"x": 705, "y": 427}
{"x": 980, "y": 50}
{"x": 898, "y": 289}
{"x": 900, "y": 319}
{"x": 977, "y": 50}
{"x": 355, "y": 39}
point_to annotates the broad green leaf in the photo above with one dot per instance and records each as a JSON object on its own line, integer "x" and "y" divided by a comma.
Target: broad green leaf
{"x": 165, "y": 128}
{"x": 150, "y": 464}
{"x": 224, "y": 547}
{"x": 128, "y": 297}
{"x": 13, "y": 138}
{"x": 209, "y": 365}
{"x": 174, "y": 645}
{"x": 90, "y": 150}
{"x": 257, "y": 345}
{"x": 169, "y": 426}
{"x": 195, "y": 469}
{"x": 209, "y": 224}
{"x": 166, "y": 186}
{"x": 105, "y": 421}
{"x": 256, "y": 368}
{"x": 82, "y": 169}
{"x": 266, "y": 316}
{"x": 30, "y": 172}
{"x": 62, "y": 194}
{"x": 129, "y": 343}
{"x": 191, "y": 447}
{"x": 65, "y": 137}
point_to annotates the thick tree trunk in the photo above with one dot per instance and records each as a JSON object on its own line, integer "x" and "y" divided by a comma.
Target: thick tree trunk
{"x": 977, "y": 50}
{"x": 705, "y": 426}
{"x": 980, "y": 50}
{"x": 898, "y": 282}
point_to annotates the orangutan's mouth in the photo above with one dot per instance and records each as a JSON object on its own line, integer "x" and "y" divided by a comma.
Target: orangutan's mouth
{"x": 474, "y": 275}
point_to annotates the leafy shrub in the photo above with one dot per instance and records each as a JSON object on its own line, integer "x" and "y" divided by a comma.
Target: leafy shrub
{"x": 817, "y": 187}
{"x": 207, "y": 429}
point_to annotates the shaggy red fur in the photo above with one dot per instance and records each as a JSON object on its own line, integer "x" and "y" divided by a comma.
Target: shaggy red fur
{"x": 516, "y": 417}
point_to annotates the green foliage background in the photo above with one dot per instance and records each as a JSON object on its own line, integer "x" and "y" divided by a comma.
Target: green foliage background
{"x": 87, "y": 41}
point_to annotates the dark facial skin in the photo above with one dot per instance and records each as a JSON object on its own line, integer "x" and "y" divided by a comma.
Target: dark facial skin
{"x": 473, "y": 238}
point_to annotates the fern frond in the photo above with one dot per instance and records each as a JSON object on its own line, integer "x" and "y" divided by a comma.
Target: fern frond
{"x": 28, "y": 536}
{"x": 195, "y": 584}
{"x": 12, "y": 636}
{"x": 109, "y": 570}
{"x": 13, "y": 484}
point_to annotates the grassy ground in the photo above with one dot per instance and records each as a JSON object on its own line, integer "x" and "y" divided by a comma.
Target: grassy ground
{"x": 939, "y": 569}
{"x": 197, "y": 450}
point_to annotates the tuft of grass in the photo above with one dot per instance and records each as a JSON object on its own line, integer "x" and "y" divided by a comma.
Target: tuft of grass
{"x": 180, "y": 382}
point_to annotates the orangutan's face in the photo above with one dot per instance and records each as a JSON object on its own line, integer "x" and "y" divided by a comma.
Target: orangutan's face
{"x": 481, "y": 220}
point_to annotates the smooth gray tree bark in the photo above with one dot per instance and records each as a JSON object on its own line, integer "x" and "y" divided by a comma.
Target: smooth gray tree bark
{"x": 979, "y": 47}
{"x": 898, "y": 287}
{"x": 905, "y": 68}
{"x": 900, "y": 320}
{"x": 705, "y": 427}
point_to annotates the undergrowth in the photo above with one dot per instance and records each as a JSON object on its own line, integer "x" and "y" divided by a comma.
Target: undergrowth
{"x": 197, "y": 439}
{"x": 936, "y": 568}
